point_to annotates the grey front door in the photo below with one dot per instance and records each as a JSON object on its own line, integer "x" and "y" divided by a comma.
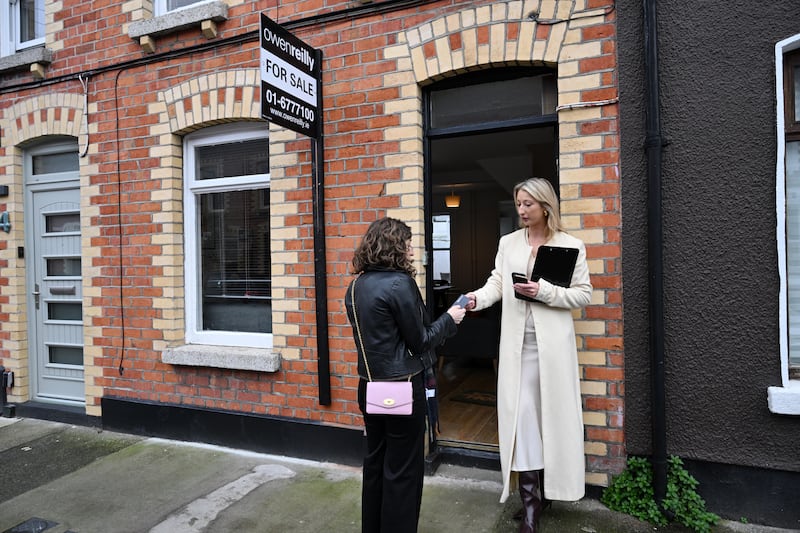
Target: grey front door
{"x": 53, "y": 261}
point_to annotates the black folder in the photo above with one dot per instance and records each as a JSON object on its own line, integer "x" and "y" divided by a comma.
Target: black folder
{"x": 555, "y": 264}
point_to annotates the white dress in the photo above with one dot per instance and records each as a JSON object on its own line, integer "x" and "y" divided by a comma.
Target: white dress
{"x": 528, "y": 453}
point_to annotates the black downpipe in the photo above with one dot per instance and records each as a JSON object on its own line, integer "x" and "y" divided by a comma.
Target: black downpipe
{"x": 653, "y": 146}
{"x": 320, "y": 274}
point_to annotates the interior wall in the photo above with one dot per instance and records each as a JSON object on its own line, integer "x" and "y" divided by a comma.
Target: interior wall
{"x": 475, "y": 230}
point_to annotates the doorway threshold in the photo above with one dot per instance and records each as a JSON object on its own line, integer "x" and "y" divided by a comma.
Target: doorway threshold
{"x": 67, "y": 414}
{"x": 468, "y": 454}
{"x": 480, "y": 446}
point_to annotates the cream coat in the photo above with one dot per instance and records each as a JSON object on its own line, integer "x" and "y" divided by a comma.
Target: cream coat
{"x": 562, "y": 418}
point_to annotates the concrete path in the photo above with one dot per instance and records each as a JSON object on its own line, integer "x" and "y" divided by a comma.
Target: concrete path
{"x": 58, "y": 478}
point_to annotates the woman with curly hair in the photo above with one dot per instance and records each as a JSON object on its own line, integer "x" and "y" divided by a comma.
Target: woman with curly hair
{"x": 398, "y": 344}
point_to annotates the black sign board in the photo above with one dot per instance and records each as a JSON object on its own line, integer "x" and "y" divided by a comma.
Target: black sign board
{"x": 291, "y": 80}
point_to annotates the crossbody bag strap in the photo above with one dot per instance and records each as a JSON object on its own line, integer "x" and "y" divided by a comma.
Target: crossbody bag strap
{"x": 358, "y": 329}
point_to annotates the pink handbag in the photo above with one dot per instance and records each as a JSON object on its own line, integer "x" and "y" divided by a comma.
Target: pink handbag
{"x": 389, "y": 398}
{"x": 383, "y": 397}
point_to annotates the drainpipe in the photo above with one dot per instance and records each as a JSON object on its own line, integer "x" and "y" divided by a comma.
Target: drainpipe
{"x": 653, "y": 147}
{"x": 320, "y": 263}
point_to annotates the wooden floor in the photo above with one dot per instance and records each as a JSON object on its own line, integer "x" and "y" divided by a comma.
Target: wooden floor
{"x": 466, "y": 423}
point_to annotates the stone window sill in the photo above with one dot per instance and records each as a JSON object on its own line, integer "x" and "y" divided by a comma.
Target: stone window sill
{"x": 33, "y": 59}
{"x": 205, "y": 16}
{"x": 785, "y": 400}
{"x": 233, "y": 357}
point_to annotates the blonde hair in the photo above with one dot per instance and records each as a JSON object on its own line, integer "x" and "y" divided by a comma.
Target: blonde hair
{"x": 542, "y": 191}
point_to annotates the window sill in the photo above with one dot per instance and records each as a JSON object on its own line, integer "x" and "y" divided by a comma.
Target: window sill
{"x": 27, "y": 59}
{"x": 233, "y": 357}
{"x": 204, "y": 16}
{"x": 784, "y": 400}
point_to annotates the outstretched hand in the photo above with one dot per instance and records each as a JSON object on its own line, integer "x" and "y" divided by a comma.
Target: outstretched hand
{"x": 473, "y": 301}
{"x": 457, "y": 313}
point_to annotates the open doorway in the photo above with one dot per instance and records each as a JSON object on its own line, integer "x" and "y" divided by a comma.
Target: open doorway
{"x": 473, "y": 163}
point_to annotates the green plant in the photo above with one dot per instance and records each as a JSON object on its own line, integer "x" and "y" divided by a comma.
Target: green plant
{"x": 631, "y": 493}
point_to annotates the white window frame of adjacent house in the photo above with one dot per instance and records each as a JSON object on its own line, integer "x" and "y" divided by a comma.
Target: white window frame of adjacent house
{"x": 192, "y": 188}
{"x": 163, "y": 7}
{"x": 11, "y": 17}
{"x": 786, "y": 398}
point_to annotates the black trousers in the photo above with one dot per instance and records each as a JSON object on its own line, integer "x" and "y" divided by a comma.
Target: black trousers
{"x": 394, "y": 467}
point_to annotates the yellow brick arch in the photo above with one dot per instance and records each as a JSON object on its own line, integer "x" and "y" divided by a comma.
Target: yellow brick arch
{"x": 212, "y": 99}
{"x": 498, "y": 34}
{"x": 479, "y": 37}
{"x": 46, "y": 114}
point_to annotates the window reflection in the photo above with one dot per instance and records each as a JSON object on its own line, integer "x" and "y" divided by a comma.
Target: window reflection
{"x": 63, "y": 266}
{"x": 62, "y": 223}
{"x": 235, "y": 261}
{"x": 66, "y": 355}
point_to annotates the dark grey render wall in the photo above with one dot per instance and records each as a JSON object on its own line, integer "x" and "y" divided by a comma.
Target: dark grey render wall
{"x": 717, "y": 79}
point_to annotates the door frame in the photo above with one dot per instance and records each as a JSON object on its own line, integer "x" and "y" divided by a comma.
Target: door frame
{"x": 57, "y": 181}
{"x": 431, "y": 134}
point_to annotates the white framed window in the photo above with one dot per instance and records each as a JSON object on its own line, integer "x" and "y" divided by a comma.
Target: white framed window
{"x": 25, "y": 21}
{"x": 165, "y": 6}
{"x": 227, "y": 236}
{"x": 786, "y": 398}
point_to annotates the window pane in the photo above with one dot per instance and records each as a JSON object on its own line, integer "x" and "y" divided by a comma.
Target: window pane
{"x": 175, "y": 4}
{"x": 64, "y": 311}
{"x": 69, "y": 222}
{"x": 441, "y": 231}
{"x": 31, "y": 20}
{"x": 494, "y": 101}
{"x": 64, "y": 266}
{"x": 793, "y": 247}
{"x": 796, "y": 79}
{"x": 244, "y": 158}
{"x": 441, "y": 247}
{"x": 66, "y": 355}
{"x": 235, "y": 261}
{"x": 50, "y": 163}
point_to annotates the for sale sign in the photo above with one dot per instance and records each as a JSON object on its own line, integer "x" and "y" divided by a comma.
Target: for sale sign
{"x": 290, "y": 80}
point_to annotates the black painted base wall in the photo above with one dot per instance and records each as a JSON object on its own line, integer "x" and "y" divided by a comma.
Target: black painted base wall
{"x": 261, "y": 434}
{"x": 758, "y": 495}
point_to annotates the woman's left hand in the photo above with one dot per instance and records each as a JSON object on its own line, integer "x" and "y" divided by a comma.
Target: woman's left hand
{"x": 530, "y": 289}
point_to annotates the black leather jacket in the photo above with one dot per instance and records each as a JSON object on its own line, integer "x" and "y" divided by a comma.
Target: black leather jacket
{"x": 392, "y": 318}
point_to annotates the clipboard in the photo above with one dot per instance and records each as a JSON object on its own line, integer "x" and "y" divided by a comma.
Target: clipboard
{"x": 555, "y": 264}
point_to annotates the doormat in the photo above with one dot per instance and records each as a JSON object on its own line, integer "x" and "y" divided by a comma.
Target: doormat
{"x": 477, "y": 397}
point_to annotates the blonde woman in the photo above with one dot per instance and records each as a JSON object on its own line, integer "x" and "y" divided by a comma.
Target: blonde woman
{"x": 539, "y": 409}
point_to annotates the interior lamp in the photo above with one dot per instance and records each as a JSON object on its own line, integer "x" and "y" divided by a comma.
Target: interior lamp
{"x": 452, "y": 200}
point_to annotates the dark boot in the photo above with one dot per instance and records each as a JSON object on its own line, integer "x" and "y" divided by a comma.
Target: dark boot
{"x": 546, "y": 504}
{"x": 530, "y": 492}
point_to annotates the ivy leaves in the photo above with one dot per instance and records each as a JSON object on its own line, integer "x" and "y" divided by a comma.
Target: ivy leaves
{"x": 631, "y": 493}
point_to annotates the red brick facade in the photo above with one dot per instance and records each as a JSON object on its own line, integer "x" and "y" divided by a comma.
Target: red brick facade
{"x": 376, "y": 62}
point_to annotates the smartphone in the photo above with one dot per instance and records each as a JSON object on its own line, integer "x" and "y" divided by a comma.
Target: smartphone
{"x": 462, "y": 301}
{"x": 516, "y": 277}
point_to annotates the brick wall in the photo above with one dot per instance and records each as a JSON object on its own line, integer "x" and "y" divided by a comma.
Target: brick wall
{"x": 373, "y": 73}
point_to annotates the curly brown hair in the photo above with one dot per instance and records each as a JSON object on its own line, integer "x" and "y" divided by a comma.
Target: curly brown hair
{"x": 384, "y": 245}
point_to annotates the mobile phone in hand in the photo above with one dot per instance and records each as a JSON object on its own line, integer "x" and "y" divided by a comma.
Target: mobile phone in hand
{"x": 516, "y": 277}
{"x": 462, "y": 301}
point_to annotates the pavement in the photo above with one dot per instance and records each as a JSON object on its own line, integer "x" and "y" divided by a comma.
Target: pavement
{"x": 61, "y": 478}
